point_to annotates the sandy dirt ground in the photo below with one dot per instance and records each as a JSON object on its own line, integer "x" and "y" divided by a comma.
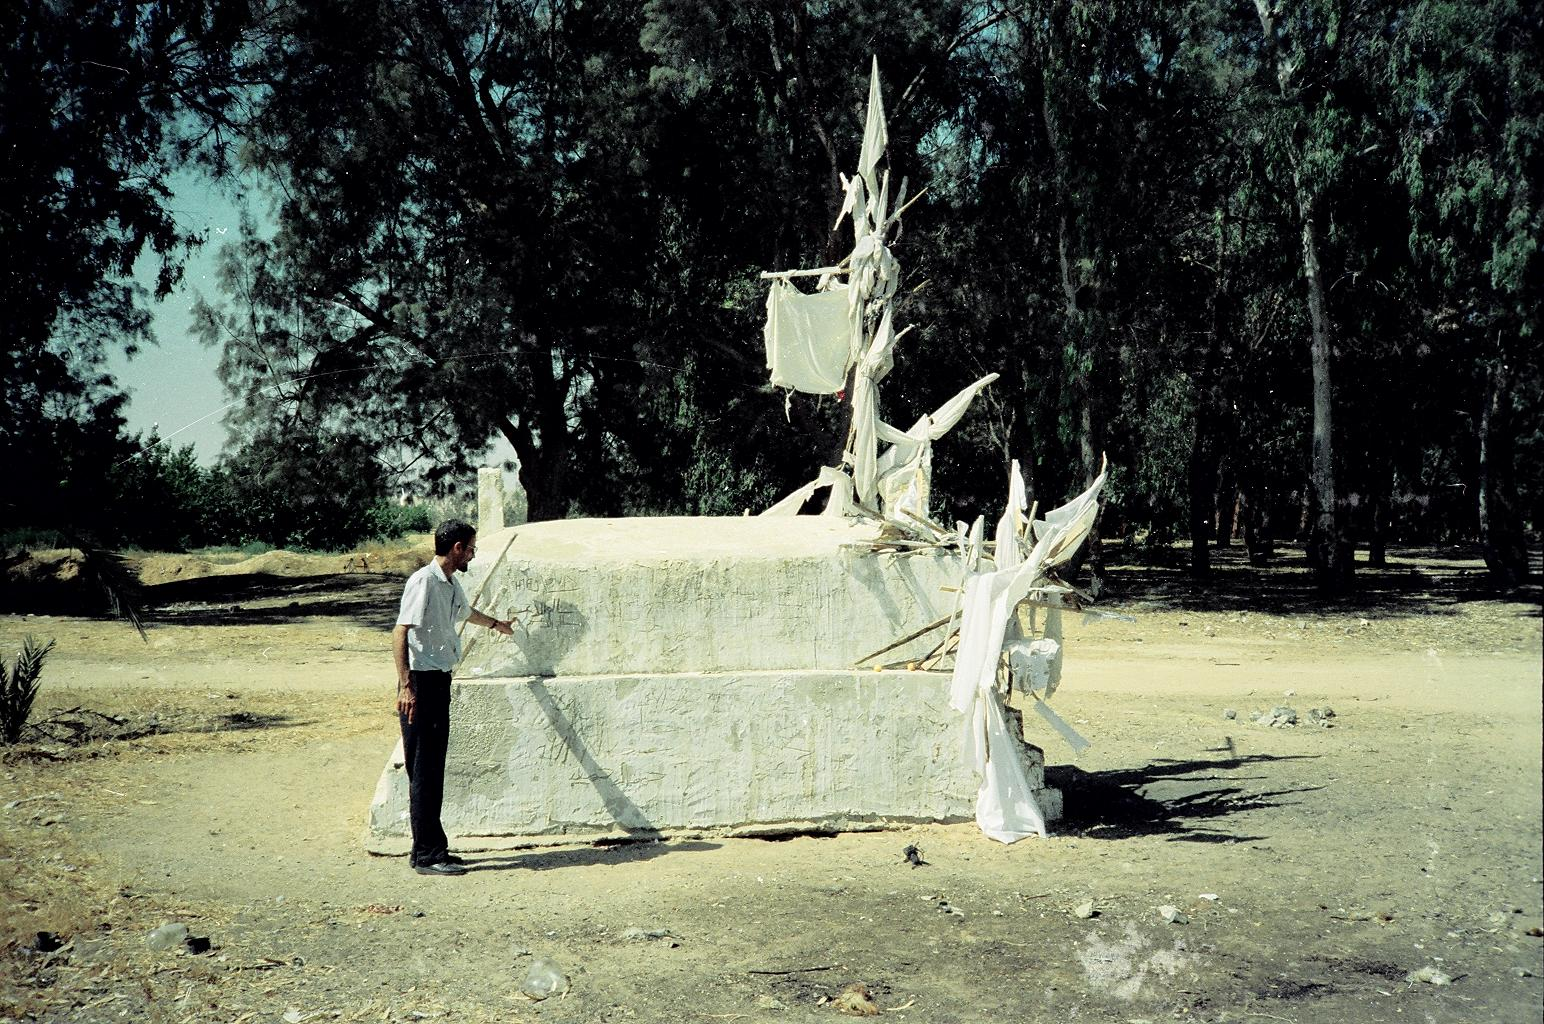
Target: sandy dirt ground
{"x": 218, "y": 775}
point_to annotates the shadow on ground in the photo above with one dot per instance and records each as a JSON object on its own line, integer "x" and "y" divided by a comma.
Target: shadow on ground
{"x": 80, "y": 726}
{"x": 368, "y": 599}
{"x": 1445, "y": 578}
{"x": 629, "y": 852}
{"x": 1197, "y": 796}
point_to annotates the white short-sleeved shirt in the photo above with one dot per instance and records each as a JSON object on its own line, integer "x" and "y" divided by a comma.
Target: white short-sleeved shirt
{"x": 432, "y": 604}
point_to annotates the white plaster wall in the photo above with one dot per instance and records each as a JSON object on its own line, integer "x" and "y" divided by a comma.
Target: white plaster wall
{"x": 644, "y": 753}
{"x": 670, "y": 595}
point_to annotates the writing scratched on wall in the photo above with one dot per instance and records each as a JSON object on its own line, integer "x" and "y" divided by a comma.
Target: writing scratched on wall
{"x": 550, "y": 615}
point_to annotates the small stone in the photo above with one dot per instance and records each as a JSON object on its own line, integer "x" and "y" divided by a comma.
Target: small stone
{"x": 855, "y": 1001}
{"x": 1229, "y": 713}
{"x": 1429, "y": 975}
{"x": 1085, "y": 910}
{"x": 644, "y": 934}
{"x": 765, "y": 1002}
{"x": 519, "y": 951}
{"x": 1173, "y": 915}
{"x": 169, "y": 936}
{"x": 544, "y": 979}
{"x": 1523, "y": 972}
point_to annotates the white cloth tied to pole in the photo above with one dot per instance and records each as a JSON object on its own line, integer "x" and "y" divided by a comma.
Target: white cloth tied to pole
{"x": 1006, "y": 808}
{"x": 1067, "y": 527}
{"x": 1010, "y": 528}
{"x": 872, "y": 367}
{"x": 905, "y": 470}
{"x": 1032, "y": 663}
{"x": 808, "y": 338}
{"x": 875, "y": 135}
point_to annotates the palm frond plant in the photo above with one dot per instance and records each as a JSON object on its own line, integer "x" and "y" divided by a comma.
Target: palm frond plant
{"x": 19, "y": 682}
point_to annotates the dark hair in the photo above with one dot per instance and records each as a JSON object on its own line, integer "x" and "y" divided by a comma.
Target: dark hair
{"x": 450, "y": 533}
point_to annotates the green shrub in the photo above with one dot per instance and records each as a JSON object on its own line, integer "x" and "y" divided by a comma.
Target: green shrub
{"x": 19, "y": 684}
{"x": 388, "y": 521}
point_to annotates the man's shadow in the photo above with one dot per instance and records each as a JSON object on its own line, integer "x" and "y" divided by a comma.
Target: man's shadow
{"x": 608, "y": 853}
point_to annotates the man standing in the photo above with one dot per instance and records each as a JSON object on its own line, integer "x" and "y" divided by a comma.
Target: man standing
{"x": 427, "y": 648}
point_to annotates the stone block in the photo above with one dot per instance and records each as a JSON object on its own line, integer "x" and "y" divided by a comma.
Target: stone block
{"x": 667, "y": 595}
{"x": 717, "y": 752}
{"x": 490, "y": 500}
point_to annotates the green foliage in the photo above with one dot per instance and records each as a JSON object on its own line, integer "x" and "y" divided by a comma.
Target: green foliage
{"x": 389, "y": 521}
{"x": 19, "y": 682}
{"x": 92, "y": 105}
{"x": 545, "y": 222}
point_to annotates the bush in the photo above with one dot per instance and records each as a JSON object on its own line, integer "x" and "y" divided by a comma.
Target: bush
{"x": 19, "y": 684}
{"x": 388, "y": 521}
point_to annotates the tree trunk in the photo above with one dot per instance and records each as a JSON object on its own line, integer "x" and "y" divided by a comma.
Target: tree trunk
{"x": 1328, "y": 550}
{"x": 1255, "y": 502}
{"x": 1501, "y": 534}
{"x": 1226, "y": 502}
{"x": 542, "y": 441}
{"x": 1380, "y": 476}
{"x": 1203, "y": 488}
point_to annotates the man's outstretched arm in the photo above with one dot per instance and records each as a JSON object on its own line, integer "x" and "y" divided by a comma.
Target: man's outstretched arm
{"x": 478, "y": 618}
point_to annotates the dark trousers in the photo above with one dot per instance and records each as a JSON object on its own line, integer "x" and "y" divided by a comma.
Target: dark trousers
{"x": 423, "y": 747}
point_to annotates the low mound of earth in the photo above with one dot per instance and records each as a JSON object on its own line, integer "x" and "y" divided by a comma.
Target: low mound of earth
{"x": 61, "y": 581}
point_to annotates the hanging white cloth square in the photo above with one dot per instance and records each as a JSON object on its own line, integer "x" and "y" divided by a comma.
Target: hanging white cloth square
{"x": 808, "y": 339}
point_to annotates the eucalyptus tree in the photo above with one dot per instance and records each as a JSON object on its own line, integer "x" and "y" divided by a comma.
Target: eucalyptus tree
{"x": 544, "y": 219}
{"x": 1467, "y": 80}
{"x": 1308, "y": 57}
{"x": 96, "y": 101}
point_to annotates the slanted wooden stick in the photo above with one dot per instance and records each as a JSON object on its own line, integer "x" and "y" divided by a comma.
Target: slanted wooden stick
{"x": 908, "y": 638}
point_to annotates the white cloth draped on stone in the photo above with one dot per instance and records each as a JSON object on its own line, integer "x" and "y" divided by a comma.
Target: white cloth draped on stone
{"x": 809, "y": 338}
{"x": 1006, "y": 808}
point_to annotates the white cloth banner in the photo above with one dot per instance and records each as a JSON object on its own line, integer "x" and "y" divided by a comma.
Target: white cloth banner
{"x": 809, "y": 339}
{"x": 875, "y": 136}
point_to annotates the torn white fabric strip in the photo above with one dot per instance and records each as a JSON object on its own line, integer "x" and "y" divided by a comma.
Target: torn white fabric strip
{"x": 1068, "y": 733}
{"x": 1010, "y": 550}
{"x": 875, "y": 135}
{"x": 841, "y": 495}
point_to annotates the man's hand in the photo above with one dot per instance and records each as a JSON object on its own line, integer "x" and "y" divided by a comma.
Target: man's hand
{"x": 407, "y": 700}
{"x": 505, "y": 626}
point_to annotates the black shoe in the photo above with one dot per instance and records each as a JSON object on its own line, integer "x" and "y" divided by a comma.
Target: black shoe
{"x": 443, "y": 867}
{"x": 451, "y": 858}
